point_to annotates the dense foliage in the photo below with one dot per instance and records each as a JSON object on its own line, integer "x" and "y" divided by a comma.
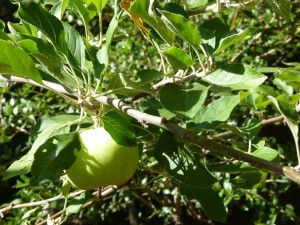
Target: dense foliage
{"x": 221, "y": 78}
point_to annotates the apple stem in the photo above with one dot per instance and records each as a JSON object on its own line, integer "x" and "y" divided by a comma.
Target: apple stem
{"x": 96, "y": 121}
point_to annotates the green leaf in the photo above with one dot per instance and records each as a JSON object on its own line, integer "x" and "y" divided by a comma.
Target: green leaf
{"x": 208, "y": 40}
{"x": 236, "y": 77}
{"x": 16, "y": 28}
{"x": 121, "y": 84}
{"x": 103, "y": 53}
{"x": 44, "y": 52}
{"x": 143, "y": 8}
{"x": 182, "y": 27}
{"x": 64, "y": 42}
{"x": 250, "y": 179}
{"x": 282, "y": 7}
{"x": 175, "y": 8}
{"x": 74, "y": 205}
{"x": 185, "y": 101}
{"x": 15, "y": 61}
{"x": 291, "y": 117}
{"x": 45, "y": 128}
{"x": 178, "y": 58}
{"x": 149, "y": 75}
{"x": 218, "y": 25}
{"x": 54, "y": 156}
{"x": 96, "y": 5}
{"x": 232, "y": 37}
{"x": 252, "y": 128}
{"x": 218, "y": 110}
{"x": 2, "y": 25}
{"x": 75, "y": 44}
{"x": 35, "y": 15}
{"x": 82, "y": 11}
{"x": 210, "y": 201}
{"x": 198, "y": 3}
{"x": 266, "y": 153}
{"x": 182, "y": 166}
{"x": 59, "y": 8}
{"x": 227, "y": 167}
{"x": 282, "y": 85}
{"x": 119, "y": 129}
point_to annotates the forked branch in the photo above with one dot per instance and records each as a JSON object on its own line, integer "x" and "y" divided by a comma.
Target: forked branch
{"x": 186, "y": 135}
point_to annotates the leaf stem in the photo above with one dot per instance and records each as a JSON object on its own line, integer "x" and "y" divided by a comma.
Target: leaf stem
{"x": 200, "y": 60}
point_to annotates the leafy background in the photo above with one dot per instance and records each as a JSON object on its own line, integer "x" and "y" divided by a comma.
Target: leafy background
{"x": 275, "y": 43}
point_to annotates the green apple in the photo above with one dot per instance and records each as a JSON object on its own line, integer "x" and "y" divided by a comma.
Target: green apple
{"x": 101, "y": 161}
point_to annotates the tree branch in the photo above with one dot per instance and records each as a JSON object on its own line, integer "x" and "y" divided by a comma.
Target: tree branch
{"x": 195, "y": 139}
{"x": 38, "y": 203}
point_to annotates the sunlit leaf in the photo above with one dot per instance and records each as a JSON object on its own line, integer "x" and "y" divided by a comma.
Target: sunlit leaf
{"x": 15, "y": 61}
{"x": 236, "y": 77}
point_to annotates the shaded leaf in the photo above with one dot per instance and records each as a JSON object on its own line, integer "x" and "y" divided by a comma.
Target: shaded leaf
{"x": 182, "y": 100}
{"x": 282, "y": 7}
{"x": 291, "y": 117}
{"x": 45, "y": 128}
{"x": 103, "y": 53}
{"x": 54, "y": 156}
{"x": 119, "y": 129}
{"x": 198, "y": 3}
{"x": 210, "y": 201}
{"x": 231, "y": 38}
{"x": 178, "y": 58}
{"x": 250, "y": 179}
{"x": 252, "y": 128}
{"x": 181, "y": 166}
{"x": 149, "y": 75}
{"x": 35, "y": 15}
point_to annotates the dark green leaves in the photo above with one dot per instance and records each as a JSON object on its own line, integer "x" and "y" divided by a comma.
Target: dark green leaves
{"x": 35, "y": 15}
{"x": 46, "y": 128}
{"x": 64, "y": 38}
{"x": 231, "y": 38}
{"x": 119, "y": 129}
{"x": 210, "y": 201}
{"x": 185, "y": 101}
{"x": 54, "y": 156}
{"x": 282, "y": 7}
{"x": 182, "y": 166}
{"x": 250, "y": 179}
{"x": 177, "y": 58}
{"x": 193, "y": 178}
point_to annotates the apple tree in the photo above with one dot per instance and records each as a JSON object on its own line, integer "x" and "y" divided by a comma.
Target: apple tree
{"x": 176, "y": 85}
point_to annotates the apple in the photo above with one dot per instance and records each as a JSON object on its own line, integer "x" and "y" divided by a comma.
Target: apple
{"x": 101, "y": 161}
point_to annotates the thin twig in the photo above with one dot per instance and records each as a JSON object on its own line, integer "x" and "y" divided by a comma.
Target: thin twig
{"x": 229, "y": 134}
{"x": 39, "y": 203}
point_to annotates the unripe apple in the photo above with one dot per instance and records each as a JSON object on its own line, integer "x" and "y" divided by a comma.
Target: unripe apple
{"x": 101, "y": 161}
